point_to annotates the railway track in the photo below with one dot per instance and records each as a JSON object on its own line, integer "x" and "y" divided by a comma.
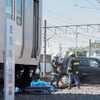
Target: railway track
{"x": 60, "y": 87}
{"x": 1, "y": 95}
{"x": 31, "y": 92}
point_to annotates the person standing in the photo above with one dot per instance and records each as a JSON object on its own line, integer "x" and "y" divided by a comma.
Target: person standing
{"x": 55, "y": 73}
{"x": 73, "y": 70}
{"x": 37, "y": 74}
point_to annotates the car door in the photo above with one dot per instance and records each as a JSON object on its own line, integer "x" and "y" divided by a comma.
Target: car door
{"x": 94, "y": 70}
{"x": 83, "y": 68}
{"x": 89, "y": 70}
{"x": 64, "y": 66}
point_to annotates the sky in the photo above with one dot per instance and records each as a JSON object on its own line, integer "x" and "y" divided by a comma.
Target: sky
{"x": 70, "y": 12}
{"x": 65, "y": 11}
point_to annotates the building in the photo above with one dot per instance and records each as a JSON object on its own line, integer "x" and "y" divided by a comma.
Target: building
{"x": 95, "y": 52}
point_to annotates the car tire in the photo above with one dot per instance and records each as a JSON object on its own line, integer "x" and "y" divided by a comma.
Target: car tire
{"x": 64, "y": 79}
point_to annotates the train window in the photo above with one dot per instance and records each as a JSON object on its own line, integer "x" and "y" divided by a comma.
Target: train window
{"x": 9, "y": 9}
{"x": 19, "y": 12}
{"x": 36, "y": 29}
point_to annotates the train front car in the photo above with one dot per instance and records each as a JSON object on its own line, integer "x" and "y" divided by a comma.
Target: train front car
{"x": 27, "y": 15}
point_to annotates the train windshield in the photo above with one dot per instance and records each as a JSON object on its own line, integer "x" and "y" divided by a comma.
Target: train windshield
{"x": 9, "y": 9}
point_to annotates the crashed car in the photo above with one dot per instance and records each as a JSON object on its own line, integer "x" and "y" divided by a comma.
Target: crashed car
{"x": 89, "y": 70}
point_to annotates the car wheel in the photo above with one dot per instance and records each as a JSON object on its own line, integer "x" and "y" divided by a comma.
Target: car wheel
{"x": 64, "y": 79}
{"x": 1, "y": 86}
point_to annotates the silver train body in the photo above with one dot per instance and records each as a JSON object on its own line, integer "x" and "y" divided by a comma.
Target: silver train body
{"x": 28, "y": 31}
{"x": 27, "y": 15}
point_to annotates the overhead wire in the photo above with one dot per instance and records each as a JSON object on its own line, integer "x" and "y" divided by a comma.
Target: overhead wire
{"x": 53, "y": 21}
{"x": 92, "y": 4}
{"x": 69, "y": 43}
{"x": 98, "y": 1}
{"x": 67, "y": 18}
{"x": 80, "y": 33}
{"x": 60, "y": 13}
{"x": 96, "y": 8}
{"x": 62, "y": 36}
{"x": 57, "y": 20}
{"x": 79, "y": 39}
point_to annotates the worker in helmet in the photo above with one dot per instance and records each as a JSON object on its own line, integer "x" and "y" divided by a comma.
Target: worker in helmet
{"x": 37, "y": 73}
{"x": 73, "y": 70}
{"x": 55, "y": 72}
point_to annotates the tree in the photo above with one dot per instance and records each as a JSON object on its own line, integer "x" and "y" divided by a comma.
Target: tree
{"x": 80, "y": 52}
{"x": 95, "y": 44}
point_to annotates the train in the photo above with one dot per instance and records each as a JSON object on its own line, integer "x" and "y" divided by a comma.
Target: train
{"x": 27, "y": 15}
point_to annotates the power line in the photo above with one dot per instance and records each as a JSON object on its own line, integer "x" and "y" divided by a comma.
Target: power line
{"x": 60, "y": 13}
{"x": 92, "y": 4}
{"x": 96, "y": 8}
{"x": 62, "y": 37}
{"x": 67, "y": 41}
{"x": 73, "y": 25}
{"x": 98, "y": 1}
{"x": 58, "y": 20}
{"x": 86, "y": 35}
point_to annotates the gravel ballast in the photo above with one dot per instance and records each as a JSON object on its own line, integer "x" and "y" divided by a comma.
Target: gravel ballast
{"x": 86, "y": 92}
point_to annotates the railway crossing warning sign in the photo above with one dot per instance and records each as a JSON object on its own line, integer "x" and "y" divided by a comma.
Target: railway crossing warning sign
{"x": 9, "y": 64}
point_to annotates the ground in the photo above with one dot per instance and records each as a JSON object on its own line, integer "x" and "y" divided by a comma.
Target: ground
{"x": 86, "y": 92}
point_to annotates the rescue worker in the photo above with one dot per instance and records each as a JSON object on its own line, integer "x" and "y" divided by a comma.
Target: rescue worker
{"x": 37, "y": 73}
{"x": 73, "y": 70}
{"x": 55, "y": 70}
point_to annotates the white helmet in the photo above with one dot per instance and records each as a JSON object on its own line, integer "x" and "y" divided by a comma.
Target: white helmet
{"x": 71, "y": 53}
{"x": 37, "y": 71}
{"x": 56, "y": 56}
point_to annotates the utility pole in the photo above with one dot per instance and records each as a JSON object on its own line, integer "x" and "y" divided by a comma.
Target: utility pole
{"x": 89, "y": 47}
{"x": 45, "y": 40}
{"x": 60, "y": 48}
{"x": 76, "y": 43}
{"x": 95, "y": 45}
{"x": 44, "y": 55}
{"x": 74, "y": 2}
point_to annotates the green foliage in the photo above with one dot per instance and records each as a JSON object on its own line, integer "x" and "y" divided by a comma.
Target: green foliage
{"x": 80, "y": 52}
{"x": 95, "y": 45}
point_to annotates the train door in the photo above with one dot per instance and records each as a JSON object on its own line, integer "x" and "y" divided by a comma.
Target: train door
{"x": 2, "y": 27}
{"x": 36, "y": 28}
{"x": 19, "y": 26}
{"x": 14, "y": 10}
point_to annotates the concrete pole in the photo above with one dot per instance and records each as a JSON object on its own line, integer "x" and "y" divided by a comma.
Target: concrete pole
{"x": 89, "y": 47}
{"x": 74, "y": 2}
{"x": 44, "y": 55}
{"x": 60, "y": 48}
{"x": 76, "y": 44}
